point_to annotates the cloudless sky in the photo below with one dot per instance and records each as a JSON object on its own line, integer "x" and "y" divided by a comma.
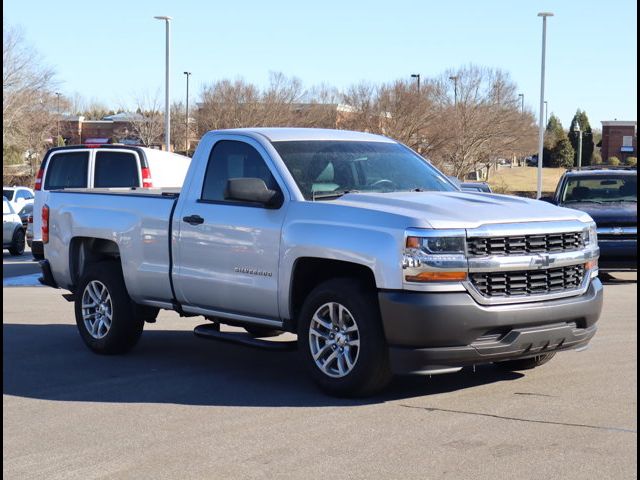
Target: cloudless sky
{"x": 113, "y": 52}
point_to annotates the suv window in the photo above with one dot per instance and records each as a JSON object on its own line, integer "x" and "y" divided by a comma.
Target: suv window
{"x": 231, "y": 159}
{"x": 8, "y": 194}
{"x": 116, "y": 169}
{"x": 23, "y": 194}
{"x": 67, "y": 170}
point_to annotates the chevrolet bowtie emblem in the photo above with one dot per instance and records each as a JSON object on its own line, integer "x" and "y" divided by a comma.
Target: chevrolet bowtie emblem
{"x": 541, "y": 260}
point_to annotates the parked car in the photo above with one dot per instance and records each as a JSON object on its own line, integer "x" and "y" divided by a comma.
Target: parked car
{"x": 351, "y": 240}
{"x": 103, "y": 166}
{"x": 18, "y": 197}
{"x": 482, "y": 187}
{"x": 25, "y": 213}
{"x": 12, "y": 229}
{"x": 610, "y": 197}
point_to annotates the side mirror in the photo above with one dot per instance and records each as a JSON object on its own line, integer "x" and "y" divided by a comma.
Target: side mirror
{"x": 547, "y": 199}
{"x": 252, "y": 190}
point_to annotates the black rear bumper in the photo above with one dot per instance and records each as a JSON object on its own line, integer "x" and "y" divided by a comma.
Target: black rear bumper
{"x": 47, "y": 277}
{"x": 445, "y": 330}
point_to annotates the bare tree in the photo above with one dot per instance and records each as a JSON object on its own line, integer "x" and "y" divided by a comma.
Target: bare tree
{"x": 26, "y": 93}
{"x": 147, "y": 124}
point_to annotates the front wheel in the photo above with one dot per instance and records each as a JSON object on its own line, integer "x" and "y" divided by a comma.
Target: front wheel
{"x": 341, "y": 338}
{"x": 527, "y": 363}
{"x": 107, "y": 319}
{"x": 17, "y": 244}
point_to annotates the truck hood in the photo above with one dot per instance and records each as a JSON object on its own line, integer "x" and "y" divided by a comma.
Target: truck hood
{"x": 619, "y": 214}
{"x": 461, "y": 209}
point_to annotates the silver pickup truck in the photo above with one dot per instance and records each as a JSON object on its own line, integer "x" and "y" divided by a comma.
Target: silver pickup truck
{"x": 352, "y": 241}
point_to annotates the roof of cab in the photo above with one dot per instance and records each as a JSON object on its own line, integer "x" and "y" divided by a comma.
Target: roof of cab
{"x": 276, "y": 134}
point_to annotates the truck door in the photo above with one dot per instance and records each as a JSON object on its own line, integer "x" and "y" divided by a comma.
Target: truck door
{"x": 227, "y": 252}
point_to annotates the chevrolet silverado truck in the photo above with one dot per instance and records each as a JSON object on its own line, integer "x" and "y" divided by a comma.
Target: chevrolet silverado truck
{"x": 350, "y": 240}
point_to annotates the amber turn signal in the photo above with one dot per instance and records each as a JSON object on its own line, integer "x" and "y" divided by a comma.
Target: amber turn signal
{"x": 437, "y": 277}
{"x": 591, "y": 264}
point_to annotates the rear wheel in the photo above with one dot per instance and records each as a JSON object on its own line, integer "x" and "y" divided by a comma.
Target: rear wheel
{"x": 107, "y": 319}
{"x": 17, "y": 243}
{"x": 527, "y": 363}
{"x": 341, "y": 338}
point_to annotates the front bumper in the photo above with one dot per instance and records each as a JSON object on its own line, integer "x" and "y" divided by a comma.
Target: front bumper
{"x": 618, "y": 254}
{"x": 428, "y": 331}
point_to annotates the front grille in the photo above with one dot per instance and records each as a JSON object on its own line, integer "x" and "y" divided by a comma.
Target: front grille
{"x": 524, "y": 244}
{"x": 529, "y": 282}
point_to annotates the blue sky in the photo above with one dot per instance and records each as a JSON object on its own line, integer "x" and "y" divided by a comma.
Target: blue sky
{"x": 114, "y": 52}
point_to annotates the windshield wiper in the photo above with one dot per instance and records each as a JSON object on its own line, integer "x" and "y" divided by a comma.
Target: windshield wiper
{"x": 632, "y": 200}
{"x": 582, "y": 201}
{"x": 329, "y": 195}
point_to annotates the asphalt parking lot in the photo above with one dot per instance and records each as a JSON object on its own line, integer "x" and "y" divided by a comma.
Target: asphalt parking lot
{"x": 183, "y": 407}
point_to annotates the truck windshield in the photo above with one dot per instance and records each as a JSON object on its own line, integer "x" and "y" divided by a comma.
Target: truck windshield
{"x": 327, "y": 169}
{"x": 601, "y": 189}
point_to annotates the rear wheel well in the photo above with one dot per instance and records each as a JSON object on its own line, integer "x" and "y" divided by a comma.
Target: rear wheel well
{"x": 84, "y": 251}
{"x": 309, "y": 272}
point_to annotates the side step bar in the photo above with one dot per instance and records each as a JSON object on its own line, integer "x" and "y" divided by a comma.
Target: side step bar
{"x": 212, "y": 332}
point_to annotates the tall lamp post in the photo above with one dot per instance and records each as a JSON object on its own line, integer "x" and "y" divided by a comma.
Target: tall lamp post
{"x": 521, "y": 95}
{"x": 416, "y": 76}
{"x": 58, "y": 117}
{"x": 455, "y": 89}
{"x": 546, "y": 113}
{"x": 544, "y": 16}
{"x": 186, "y": 122}
{"x": 577, "y": 129}
{"x": 167, "y": 113}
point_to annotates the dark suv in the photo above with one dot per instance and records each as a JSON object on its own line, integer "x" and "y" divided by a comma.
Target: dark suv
{"x": 610, "y": 196}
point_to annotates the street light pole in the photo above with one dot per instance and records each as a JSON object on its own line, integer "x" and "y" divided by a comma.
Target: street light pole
{"x": 186, "y": 122}
{"x": 455, "y": 89}
{"x": 521, "y": 95}
{"x": 167, "y": 113}
{"x": 544, "y": 16}
{"x": 578, "y": 130}
{"x": 417, "y": 76}
{"x": 546, "y": 113}
{"x": 58, "y": 117}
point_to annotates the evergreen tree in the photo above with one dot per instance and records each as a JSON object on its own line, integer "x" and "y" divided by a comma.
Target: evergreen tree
{"x": 587, "y": 137}
{"x": 562, "y": 154}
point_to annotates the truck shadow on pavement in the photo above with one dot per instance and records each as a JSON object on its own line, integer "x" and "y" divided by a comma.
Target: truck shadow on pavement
{"x": 50, "y": 362}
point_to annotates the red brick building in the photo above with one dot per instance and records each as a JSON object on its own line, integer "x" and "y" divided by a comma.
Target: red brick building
{"x": 619, "y": 139}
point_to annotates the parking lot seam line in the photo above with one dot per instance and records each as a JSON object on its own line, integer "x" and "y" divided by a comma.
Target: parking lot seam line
{"x": 535, "y": 394}
{"x": 501, "y": 417}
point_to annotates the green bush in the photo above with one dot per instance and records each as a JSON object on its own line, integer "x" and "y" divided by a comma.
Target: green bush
{"x": 613, "y": 161}
{"x": 596, "y": 158}
{"x": 632, "y": 161}
{"x": 12, "y": 155}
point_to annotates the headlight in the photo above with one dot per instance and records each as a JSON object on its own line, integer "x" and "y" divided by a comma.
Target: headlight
{"x": 435, "y": 256}
{"x": 593, "y": 235}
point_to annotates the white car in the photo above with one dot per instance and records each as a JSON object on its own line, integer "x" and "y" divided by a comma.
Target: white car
{"x": 102, "y": 166}
{"x": 18, "y": 197}
{"x": 12, "y": 229}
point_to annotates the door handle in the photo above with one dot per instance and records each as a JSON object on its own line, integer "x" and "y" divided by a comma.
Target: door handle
{"x": 193, "y": 219}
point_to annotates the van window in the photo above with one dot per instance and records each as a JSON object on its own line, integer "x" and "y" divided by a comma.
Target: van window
{"x": 116, "y": 169}
{"x": 67, "y": 170}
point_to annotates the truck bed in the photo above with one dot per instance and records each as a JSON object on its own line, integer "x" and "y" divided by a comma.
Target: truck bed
{"x": 136, "y": 220}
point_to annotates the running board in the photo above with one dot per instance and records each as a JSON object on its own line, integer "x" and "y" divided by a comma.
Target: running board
{"x": 212, "y": 332}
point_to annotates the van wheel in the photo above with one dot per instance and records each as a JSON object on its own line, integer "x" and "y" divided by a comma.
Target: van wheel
{"x": 105, "y": 315}
{"x": 527, "y": 363}
{"x": 17, "y": 243}
{"x": 341, "y": 338}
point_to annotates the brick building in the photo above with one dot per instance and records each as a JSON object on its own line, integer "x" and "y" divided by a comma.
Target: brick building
{"x": 619, "y": 139}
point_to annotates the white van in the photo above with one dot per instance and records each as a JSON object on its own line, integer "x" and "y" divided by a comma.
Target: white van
{"x": 100, "y": 166}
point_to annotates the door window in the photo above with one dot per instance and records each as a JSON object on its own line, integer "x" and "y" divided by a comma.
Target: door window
{"x": 116, "y": 169}
{"x": 67, "y": 170}
{"x": 231, "y": 159}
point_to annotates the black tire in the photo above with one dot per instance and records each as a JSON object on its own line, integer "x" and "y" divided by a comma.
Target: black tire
{"x": 126, "y": 325}
{"x": 262, "y": 332}
{"x": 17, "y": 242}
{"x": 371, "y": 370}
{"x": 527, "y": 363}
{"x": 37, "y": 256}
